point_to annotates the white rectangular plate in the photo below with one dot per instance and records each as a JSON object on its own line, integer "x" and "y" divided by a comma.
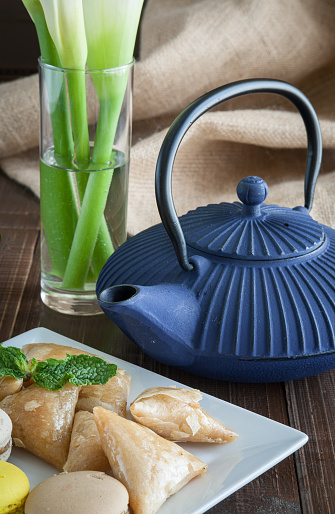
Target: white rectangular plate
{"x": 261, "y": 444}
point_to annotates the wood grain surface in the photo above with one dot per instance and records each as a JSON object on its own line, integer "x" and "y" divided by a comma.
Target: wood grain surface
{"x": 302, "y": 483}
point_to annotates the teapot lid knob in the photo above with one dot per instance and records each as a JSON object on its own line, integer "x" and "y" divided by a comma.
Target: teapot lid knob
{"x": 252, "y": 191}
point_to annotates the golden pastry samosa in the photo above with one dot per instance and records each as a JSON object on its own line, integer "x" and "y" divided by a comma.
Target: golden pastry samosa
{"x": 113, "y": 395}
{"x": 42, "y": 421}
{"x": 85, "y": 452}
{"x": 150, "y": 467}
{"x": 175, "y": 414}
{"x": 9, "y": 385}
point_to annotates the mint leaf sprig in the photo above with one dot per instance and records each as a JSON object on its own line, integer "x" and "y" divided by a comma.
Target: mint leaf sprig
{"x": 13, "y": 362}
{"x": 53, "y": 374}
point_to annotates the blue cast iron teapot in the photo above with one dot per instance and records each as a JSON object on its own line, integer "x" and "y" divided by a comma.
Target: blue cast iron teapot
{"x": 239, "y": 292}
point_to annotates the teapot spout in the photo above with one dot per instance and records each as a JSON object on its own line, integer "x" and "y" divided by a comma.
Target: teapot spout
{"x": 160, "y": 319}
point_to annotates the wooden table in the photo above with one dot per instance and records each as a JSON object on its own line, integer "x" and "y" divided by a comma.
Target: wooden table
{"x": 303, "y": 482}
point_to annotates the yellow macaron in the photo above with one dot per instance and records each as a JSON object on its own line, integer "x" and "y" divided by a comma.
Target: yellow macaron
{"x": 14, "y": 489}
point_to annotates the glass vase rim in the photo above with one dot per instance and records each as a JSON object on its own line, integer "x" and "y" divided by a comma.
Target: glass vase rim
{"x": 62, "y": 69}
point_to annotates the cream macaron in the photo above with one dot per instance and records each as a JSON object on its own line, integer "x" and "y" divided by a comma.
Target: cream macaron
{"x": 5, "y": 435}
{"x": 86, "y": 492}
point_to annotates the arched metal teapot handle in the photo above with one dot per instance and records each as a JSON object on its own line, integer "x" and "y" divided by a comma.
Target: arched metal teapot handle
{"x": 184, "y": 121}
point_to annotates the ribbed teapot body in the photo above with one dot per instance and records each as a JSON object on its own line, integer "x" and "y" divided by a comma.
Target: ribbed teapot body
{"x": 260, "y": 320}
{"x": 240, "y": 291}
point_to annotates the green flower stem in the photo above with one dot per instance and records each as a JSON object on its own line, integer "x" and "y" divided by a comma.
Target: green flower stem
{"x": 97, "y": 190}
{"x": 58, "y": 208}
{"x": 104, "y": 245}
{"x": 72, "y": 36}
{"x": 109, "y": 113}
{"x": 58, "y": 199}
{"x": 48, "y": 50}
{"x": 103, "y": 249}
{"x": 58, "y": 215}
{"x": 86, "y": 231}
{"x": 77, "y": 94}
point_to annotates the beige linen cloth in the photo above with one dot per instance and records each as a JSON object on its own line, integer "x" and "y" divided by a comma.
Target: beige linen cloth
{"x": 189, "y": 47}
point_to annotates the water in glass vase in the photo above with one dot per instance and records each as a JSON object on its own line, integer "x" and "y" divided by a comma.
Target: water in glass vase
{"x": 75, "y": 241}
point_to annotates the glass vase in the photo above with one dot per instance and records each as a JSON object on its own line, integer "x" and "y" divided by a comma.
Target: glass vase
{"x": 85, "y": 139}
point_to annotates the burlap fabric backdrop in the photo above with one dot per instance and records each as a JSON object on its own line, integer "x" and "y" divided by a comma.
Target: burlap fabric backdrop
{"x": 189, "y": 47}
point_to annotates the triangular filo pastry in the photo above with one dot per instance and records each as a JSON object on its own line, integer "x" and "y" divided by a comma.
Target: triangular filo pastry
{"x": 9, "y": 385}
{"x": 44, "y": 351}
{"x": 42, "y": 421}
{"x": 150, "y": 467}
{"x": 85, "y": 453}
{"x": 113, "y": 395}
{"x": 175, "y": 414}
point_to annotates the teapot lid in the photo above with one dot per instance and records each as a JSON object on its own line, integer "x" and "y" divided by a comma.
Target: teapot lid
{"x": 250, "y": 229}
